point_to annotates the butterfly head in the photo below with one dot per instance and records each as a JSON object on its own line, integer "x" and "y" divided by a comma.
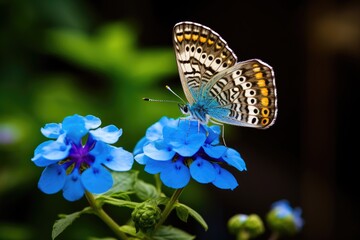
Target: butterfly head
{"x": 184, "y": 108}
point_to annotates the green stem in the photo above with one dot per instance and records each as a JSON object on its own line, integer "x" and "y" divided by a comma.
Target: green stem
{"x": 158, "y": 183}
{"x": 243, "y": 235}
{"x": 169, "y": 207}
{"x": 104, "y": 216}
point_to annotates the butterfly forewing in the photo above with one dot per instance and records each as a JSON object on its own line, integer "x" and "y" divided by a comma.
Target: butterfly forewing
{"x": 200, "y": 53}
{"x": 246, "y": 95}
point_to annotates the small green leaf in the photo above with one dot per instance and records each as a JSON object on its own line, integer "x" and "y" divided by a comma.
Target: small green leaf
{"x": 128, "y": 230}
{"x": 66, "y": 220}
{"x": 145, "y": 190}
{"x": 117, "y": 202}
{"x": 192, "y": 212}
{"x": 161, "y": 200}
{"x": 183, "y": 213}
{"x": 170, "y": 233}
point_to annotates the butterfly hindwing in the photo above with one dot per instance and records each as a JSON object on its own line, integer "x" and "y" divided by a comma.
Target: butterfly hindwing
{"x": 200, "y": 53}
{"x": 246, "y": 95}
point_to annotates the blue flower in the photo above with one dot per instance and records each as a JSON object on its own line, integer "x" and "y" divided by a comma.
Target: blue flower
{"x": 79, "y": 156}
{"x": 283, "y": 210}
{"x": 183, "y": 149}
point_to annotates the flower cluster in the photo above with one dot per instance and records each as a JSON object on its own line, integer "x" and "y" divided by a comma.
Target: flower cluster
{"x": 74, "y": 166}
{"x": 183, "y": 149}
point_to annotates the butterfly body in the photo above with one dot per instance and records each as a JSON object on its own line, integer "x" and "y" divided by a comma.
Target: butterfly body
{"x": 218, "y": 87}
{"x": 200, "y": 110}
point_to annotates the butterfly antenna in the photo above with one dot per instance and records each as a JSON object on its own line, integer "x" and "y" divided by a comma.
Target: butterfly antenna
{"x": 168, "y": 88}
{"x": 159, "y": 100}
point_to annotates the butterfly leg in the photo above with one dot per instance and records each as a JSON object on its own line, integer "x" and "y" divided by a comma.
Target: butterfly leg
{"x": 189, "y": 120}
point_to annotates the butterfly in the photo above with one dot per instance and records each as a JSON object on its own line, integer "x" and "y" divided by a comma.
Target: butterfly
{"x": 216, "y": 86}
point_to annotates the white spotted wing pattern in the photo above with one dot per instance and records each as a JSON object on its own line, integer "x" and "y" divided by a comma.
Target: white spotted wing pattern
{"x": 219, "y": 88}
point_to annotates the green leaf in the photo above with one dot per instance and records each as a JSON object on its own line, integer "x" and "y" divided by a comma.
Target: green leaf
{"x": 123, "y": 181}
{"x": 183, "y": 213}
{"x": 145, "y": 190}
{"x": 117, "y": 202}
{"x": 128, "y": 229}
{"x": 66, "y": 220}
{"x": 185, "y": 210}
{"x": 162, "y": 200}
{"x": 170, "y": 233}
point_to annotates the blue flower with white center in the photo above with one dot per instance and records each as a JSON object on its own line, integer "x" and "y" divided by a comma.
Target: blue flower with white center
{"x": 183, "y": 149}
{"x": 79, "y": 156}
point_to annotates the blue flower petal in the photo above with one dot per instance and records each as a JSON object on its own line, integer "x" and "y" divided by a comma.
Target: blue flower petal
{"x": 224, "y": 179}
{"x": 97, "y": 179}
{"x": 109, "y": 134}
{"x": 141, "y": 158}
{"x": 40, "y": 148}
{"x": 159, "y": 151}
{"x": 38, "y": 158}
{"x": 92, "y": 122}
{"x": 174, "y": 136}
{"x": 192, "y": 127}
{"x": 39, "y": 161}
{"x": 52, "y": 130}
{"x": 283, "y": 205}
{"x": 139, "y": 146}
{"x": 214, "y": 151}
{"x": 191, "y": 145}
{"x": 155, "y": 131}
{"x": 202, "y": 171}
{"x": 299, "y": 222}
{"x": 175, "y": 175}
{"x": 73, "y": 189}
{"x": 154, "y": 166}
{"x": 233, "y": 158}
{"x": 119, "y": 159}
{"x": 74, "y": 126}
{"x": 214, "y": 132}
{"x": 55, "y": 151}
{"x": 182, "y": 142}
{"x": 52, "y": 179}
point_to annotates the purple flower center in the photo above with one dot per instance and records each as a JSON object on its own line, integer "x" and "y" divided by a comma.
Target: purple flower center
{"x": 79, "y": 157}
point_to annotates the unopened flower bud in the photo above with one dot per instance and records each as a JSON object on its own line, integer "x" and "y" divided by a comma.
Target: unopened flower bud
{"x": 249, "y": 225}
{"x": 145, "y": 216}
{"x": 283, "y": 219}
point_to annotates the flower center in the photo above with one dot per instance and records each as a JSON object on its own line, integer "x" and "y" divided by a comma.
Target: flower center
{"x": 79, "y": 157}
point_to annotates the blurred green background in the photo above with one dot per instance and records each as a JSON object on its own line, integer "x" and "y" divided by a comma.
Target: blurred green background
{"x": 101, "y": 57}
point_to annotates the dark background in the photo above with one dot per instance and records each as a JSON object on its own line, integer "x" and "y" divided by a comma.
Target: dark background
{"x": 308, "y": 157}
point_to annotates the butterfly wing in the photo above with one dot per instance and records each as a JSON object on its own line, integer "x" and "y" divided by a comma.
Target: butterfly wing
{"x": 243, "y": 95}
{"x": 200, "y": 54}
